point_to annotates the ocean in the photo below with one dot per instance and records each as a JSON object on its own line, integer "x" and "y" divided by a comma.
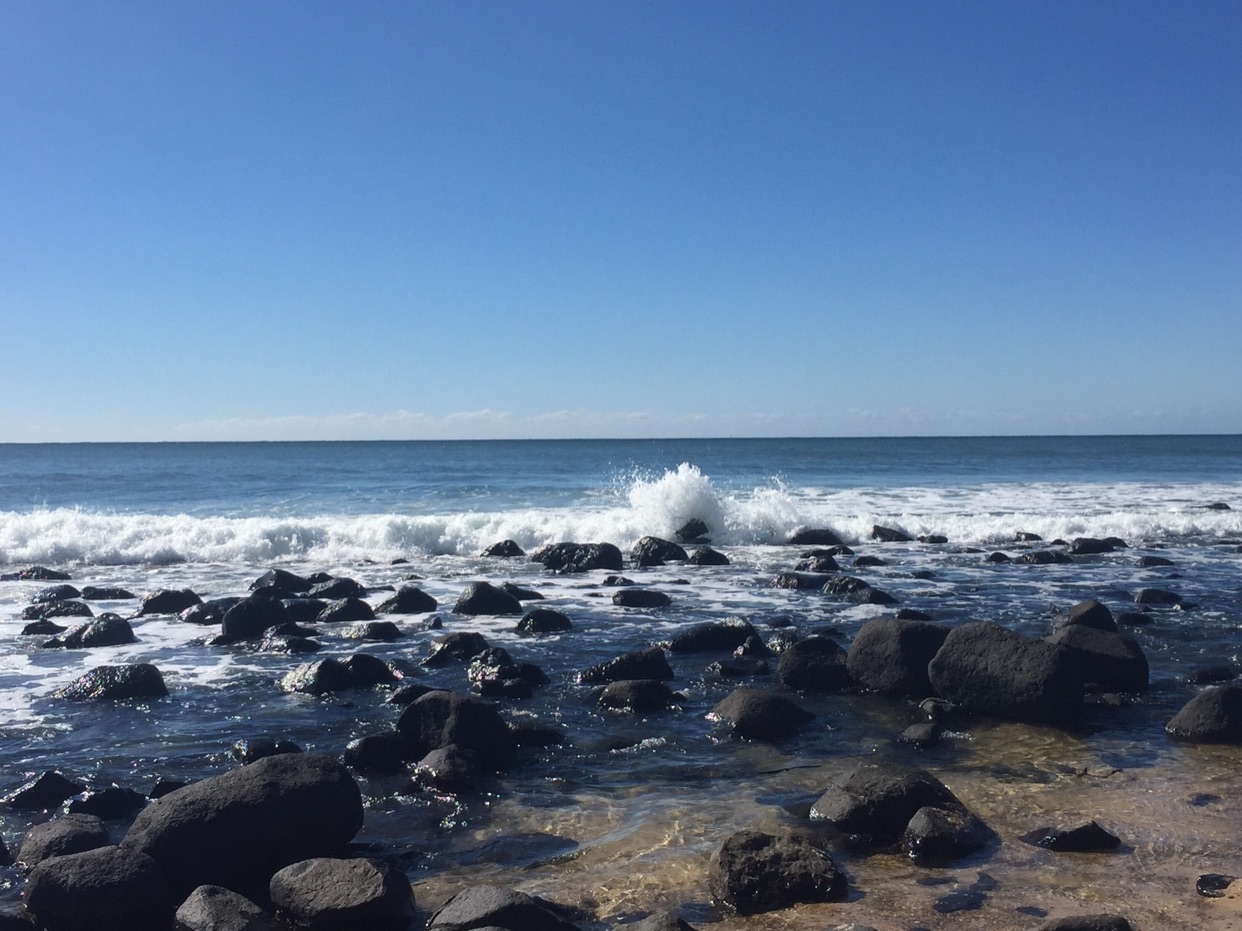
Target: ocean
{"x": 623, "y": 816}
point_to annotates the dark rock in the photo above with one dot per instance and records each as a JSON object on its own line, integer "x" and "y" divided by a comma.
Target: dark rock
{"x": 801, "y": 581}
{"x": 821, "y": 565}
{"x": 303, "y": 610}
{"x": 814, "y": 664}
{"x": 910, "y": 614}
{"x": 208, "y": 612}
{"x": 616, "y": 581}
{"x": 440, "y": 719}
{"x": 338, "y": 590}
{"x": 168, "y": 601}
{"x": 107, "y": 630}
{"x": 57, "y": 609}
{"x": 641, "y": 598}
{"x": 478, "y": 907}
{"x": 637, "y": 696}
{"x": 933, "y": 539}
{"x": 1089, "y": 613}
{"x": 520, "y": 592}
{"x": 56, "y": 593}
{"x": 1157, "y": 596}
{"x": 505, "y": 549}
{"x": 346, "y": 610}
{"x": 406, "y": 694}
{"x": 754, "y": 872}
{"x": 252, "y": 749}
{"x": 237, "y": 829}
{"x": 1087, "y": 923}
{"x": 387, "y": 752}
{"x": 937, "y": 835}
{"x": 1089, "y": 546}
{"x": 923, "y": 735}
{"x": 661, "y": 921}
{"x": 754, "y": 714}
{"x": 892, "y": 655}
{"x": 729, "y": 634}
{"x": 110, "y": 683}
{"x": 1085, "y": 838}
{"x": 44, "y": 628}
{"x": 1044, "y": 558}
{"x": 544, "y": 621}
{"x": 1023, "y": 536}
{"x": 706, "y": 556}
{"x": 70, "y": 833}
{"x": 283, "y": 580}
{"x": 366, "y": 670}
{"x": 1211, "y": 675}
{"x": 654, "y": 551}
{"x": 328, "y": 894}
{"x": 250, "y": 617}
{"x": 1213, "y": 885}
{"x": 408, "y": 599}
{"x": 321, "y": 677}
{"x": 579, "y": 557}
{"x": 1153, "y": 562}
{"x": 1217, "y": 506}
{"x": 644, "y": 664}
{"x": 692, "y": 531}
{"x": 1212, "y": 716}
{"x": 998, "y": 557}
{"x": 214, "y": 908}
{"x": 106, "y": 889}
{"x": 284, "y": 643}
{"x": 110, "y": 804}
{"x": 494, "y": 672}
{"x": 485, "y": 598}
{"x": 447, "y": 769}
{"x": 739, "y": 667}
{"x": 1132, "y": 619}
{"x": 457, "y": 647}
{"x": 868, "y": 562}
{"x": 379, "y": 631}
{"x": 986, "y": 668}
{"x": 44, "y": 792}
{"x": 857, "y": 591}
{"x": 165, "y": 786}
{"x": 814, "y": 537}
{"x": 1109, "y": 659}
{"x": 36, "y": 574}
{"x": 889, "y": 535}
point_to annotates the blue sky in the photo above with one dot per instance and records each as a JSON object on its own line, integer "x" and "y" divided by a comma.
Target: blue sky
{"x": 239, "y": 220}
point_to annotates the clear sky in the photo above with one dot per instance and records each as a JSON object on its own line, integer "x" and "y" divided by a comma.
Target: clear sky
{"x": 302, "y": 220}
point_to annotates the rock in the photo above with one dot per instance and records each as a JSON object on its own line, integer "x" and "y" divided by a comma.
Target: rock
{"x": 692, "y": 531}
{"x": 439, "y": 719}
{"x": 754, "y": 872}
{"x": 1109, "y": 659}
{"x": 706, "y": 556}
{"x": 1087, "y": 923}
{"x": 653, "y": 551}
{"x": 1153, "y": 562}
{"x": 106, "y": 889}
{"x": 998, "y": 557}
{"x": 754, "y": 714}
{"x": 868, "y": 562}
{"x": 892, "y": 655}
{"x": 1023, "y": 536}
{"x": 544, "y": 621}
{"x": 107, "y": 630}
{"x": 857, "y": 591}
{"x": 637, "y": 696}
{"x": 321, "y": 677}
{"x": 1212, "y": 716}
{"x": 447, "y": 769}
{"x": 729, "y": 634}
{"x": 661, "y": 921}
{"x": 1214, "y": 885}
{"x": 1211, "y": 675}
{"x": 1089, "y": 546}
{"x": 237, "y": 829}
{"x": 641, "y": 598}
{"x": 986, "y": 668}
{"x": 821, "y": 564}
{"x": 579, "y": 557}
{"x": 939, "y": 835}
{"x": 328, "y": 894}
{"x": 114, "y": 683}
{"x": 923, "y": 735}
{"x": 285, "y": 643}
{"x": 485, "y": 598}
{"x": 214, "y": 908}
{"x": 802, "y": 581}
{"x": 890, "y": 535}
{"x": 1045, "y": 558}
{"x": 44, "y": 792}
{"x": 1085, "y": 838}
{"x": 1157, "y": 596}
{"x": 494, "y": 907}
{"x": 208, "y": 612}
{"x": 814, "y": 664}
{"x": 57, "y": 609}
{"x": 457, "y": 647}
{"x": 387, "y": 752}
{"x": 252, "y": 749}
{"x": 933, "y": 539}
{"x": 44, "y": 628}
{"x": 494, "y": 672}
{"x": 56, "y": 593}
{"x": 346, "y": 610}
{"x": 70, "y": 833}
{"x": 110, "y": 804}
{"x": 303, "y": 610}
{"x": 168, "y": 601}
{"x": 250, "y": 617}
{"x": 644, "y": 664}
{"x": 505, "y": 549}
{"x": 520, "y": 592}
{"x": 1132, "y": 619}
{"x": 283, "y": 580}
{"x": 408, "y": 599}
{"x": 1089, "y": 613}
{"x": 814, "y": 537}
{"x": 36, "y": 574}
{"x": 338, "y": 590}
{"x": 377, "y": 631}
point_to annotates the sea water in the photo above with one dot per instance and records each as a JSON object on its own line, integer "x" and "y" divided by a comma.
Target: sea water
{"x": 622, "y": 818}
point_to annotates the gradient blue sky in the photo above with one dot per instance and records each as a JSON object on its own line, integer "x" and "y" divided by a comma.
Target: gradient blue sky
{"x": 241, "y": 220}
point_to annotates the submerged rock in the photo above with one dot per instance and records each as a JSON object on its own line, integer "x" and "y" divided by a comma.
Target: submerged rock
{"x": 755, "y": 714}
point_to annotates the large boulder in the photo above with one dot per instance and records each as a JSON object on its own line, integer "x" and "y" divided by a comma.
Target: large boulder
{"x": 755, "y": 872}
{"x": 1089, "y": 613}
{"x": 814, "y": 536}
{"x": 70, "y": 833}
{"x": 641, "y": 598}
{"x": 989, "y": 669}
{"x": 43, "y": 792}
{"x": 408, "y": 599}
{"x": 637, "y": 696}
{"x": 755, "y": 714}
{"x": 114, "y": 683}
{"x": 579, "y": 557}
{"x": 328, "y": 894}
{"x": 856, "y": 590}
{"x": 643, "y": 664}
{"x": 486, "y": 598}
{"x": 1109, "y": 659}
{"x": 106, "y": 889}
{"x": 648, "y": 551}
{"x": 168, "y": 601}
{"x": 346, "y": 610}
{"x": 237, "y": 829}
{"x": 283, "y": 580}
{"x": 544, "y": 621}
{"x": 107, "y": 630}
{"x": 440, "y": 719}
{"x": 1212, "y": 716}
{"x": 710, "y": 636}
{"x": 214, "y": 908}
{"x": 890, "y": 655}
{"x": 498, "y": 908}
{"x": 814, "y": 664}
{"x": 250, "y": 617}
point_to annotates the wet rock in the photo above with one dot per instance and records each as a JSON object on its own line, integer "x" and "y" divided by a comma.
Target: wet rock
{"x": 729, "y": 634}
{"x": 544, "y": 621}
{"x": 654, "y": 551}
{"x": 890, "y": 535}
{"x": 1211, "y": 675}
{"x": 496, "y": 907}
{"x": 208, "y": 612}
{"x": 250, "y": 617}
{"x": 643, "y": 664}
{"x": 754, "y": 872}
{"x": 692, "y": 531}
{"x": 457, "y": 647}
{"x": 408, "y": 599}
{"x": 485, "y": 598}
{"x": 44, "y": 628}
{"x": 386, "y": 752}
{"x": 321, "y": 677}
{"x": 637, "y": 696}
{"x": 857, "y": 591}
{"x": 441, "y": 719}
{"x": 868, "y": 562}
{"x": 283, "y": 580}
{"x": 616, "y": 581}
{"x": 366, "y": 670}
{"x": 252, "y": 749}
{"x": 303, "y": 610}
{"x": 56, "y": 593}
{"x": 923, "y": 735}
{"x": 1153, "y": 562}
{"x": 641, "y": 598}
{"x": 986, "y": 668}
{"x": 110, "y": 804}
{"x": 338, "y": 590}
{"x": 1157, "y": 596}
{"x": 1089, "y": 613}
{"x": 822, "y": 565}
{"x": 1212, "y": 716}
{"x": 939, "y": 835}
{"x": 447, "y": 769}
{"x": 44, "y": 792}
{"x": 814, "y": 664}
{"x": 998, "y": 557}
{"x": 1109, "y": 659}
{"x": 801, "y": 581}
{"x": 1132, "y": 619}
{"x": 36, "y": 574}
{"x": 706, "y": 556}
{"x": 378, "y": 631}
{"x": 814, "y": 537}
{"x": 1089, "y": 546}
{"x": 755, "y": 714}
{"x": 1085, "y": 838}
{"x": 494, "y": 672}
{"x": 661, "y": 921}
{"x": 107, "y": 630}
{"x": 911, "y": 614}
{"x": 214, "y": 908}
{"x": 51, "y": 609}
{"x": 237, "y": 829}
{"x": 1045, "y": 558}
{"x": 1213, "y": 885}
{"x": 168, "y": 601}
{"x": 70, "y": 833}
{"x": 113, "y": 683}
{"x": 520, "y": 592}
{"x": 346, "y": 610}
{"x": 106, "y": 889}
{"x": 285, "y": 643}
{"x": 892, "y": 655}
{"x": 740, "y": 667}
{"x": 932, "y": 539}
{"x": 579, "y": 557}
{"x": 329, "y": 894}
{"x": 1023, "y": 536}
{"x": 1087, "y": 923}
{"x": 505, "y": 549}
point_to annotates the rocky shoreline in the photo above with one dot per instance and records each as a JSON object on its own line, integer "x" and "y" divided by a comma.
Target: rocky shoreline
{"x": 275, "y": 842}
